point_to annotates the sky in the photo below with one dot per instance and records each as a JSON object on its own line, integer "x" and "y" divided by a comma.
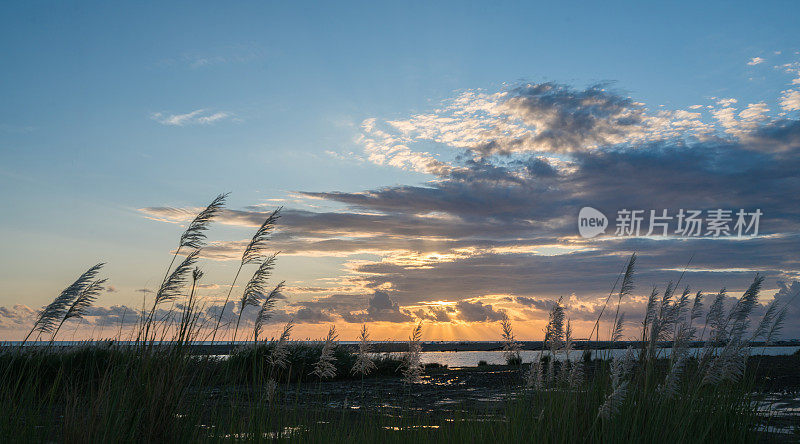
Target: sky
{"x": 431, "y": 159}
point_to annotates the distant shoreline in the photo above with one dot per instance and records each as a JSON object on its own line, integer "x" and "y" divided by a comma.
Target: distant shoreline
{"x": 224, "y": 348}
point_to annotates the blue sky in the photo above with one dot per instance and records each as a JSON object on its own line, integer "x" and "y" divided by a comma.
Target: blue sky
{"x": 107, "y": 110}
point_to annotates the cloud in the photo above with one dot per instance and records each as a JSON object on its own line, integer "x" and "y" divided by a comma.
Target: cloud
{"x": 545, "y": 117}
{"x": 792, "y": 68}
{"x": 383, "y": 148}
{"x": 790, "y": 100}
{"x": 311, "y": 316}
{"x": 564, "y": 119}
{"x": 741, "y": 123}
{"x": 509, "y": 227}
{"x": 433, "y": 314}
{"x": 114, "y": 315}
{"x": 539, "y": 304}
{"x": 22, "y": 318}
{"x": 380, "y": 308}
{"x": 477, "y": 312}
{"x": 788, "y": 295}
{"x": 498, "y": 213}
{"x": 196, "y": 117}
{"x": 755, "y": 61}
{"x": 17, "y": 316}
{"x": 726, "y": 102}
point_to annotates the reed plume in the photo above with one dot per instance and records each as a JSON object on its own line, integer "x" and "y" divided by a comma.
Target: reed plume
{"x": 619, "y": 385}
{"x": 766, "y": 321}
{"x": 255, "y": 289}
{"x": 173, "y": 285}
{"x": 697, "y": 307}
{"x": 279, "y": 357}
{"x": 511, "y": 349}
{"x": 625, "y": 288}
{"x": 667, "y": 316}
{"x": 715, "y": 317}
{"x": 171, "y": 288}
{"x": 729, "y": 364}
{"x": 324, "y": 367}
{"x": 412, "y": 359}
{"x": 618, "y": 328}
{"x": 188, "y": 314}
{"x": 777, "y": 325}
{"x": 265, "y": 312}
{"x": 82, "y": 303}
{"x": 664, "y": 315}
{"x": 195, "y": 236}
{"x": 576, "y": 374}
{"x": 364, "y": 364}
{"x": 627, "y": 280}
{"x": 670, "y": 387}
{"x": 739, "y": 316}
{"x": 650, "y": 309}
{"x": 621, "y": 367}
{"x": 253, "y": 253}
{"x": 683, "y": 303}
{"x": 613, "y": 401}
{"x": 554, "y": 332}
{"x": 554, "y": 336}
{"x": 679, "y": 359}
{"x": 533, "y": 379}
{"x": 53, "y": 313}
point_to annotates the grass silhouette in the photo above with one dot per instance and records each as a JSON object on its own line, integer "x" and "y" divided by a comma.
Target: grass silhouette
{"x": 156, "y": 389}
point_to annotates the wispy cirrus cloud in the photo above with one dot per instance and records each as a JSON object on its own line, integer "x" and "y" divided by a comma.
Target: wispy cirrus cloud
{"x": 755, "y": 61}
{"x": 16, "y": 129}
{"x": 217, "y": 56}
{"x": 196, "y": 117}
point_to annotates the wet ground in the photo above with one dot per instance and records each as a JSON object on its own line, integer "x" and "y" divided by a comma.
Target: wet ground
{"x": 461, "y": 392}
{"x": 442, "y": 393}
{"x": 781, "y": 413}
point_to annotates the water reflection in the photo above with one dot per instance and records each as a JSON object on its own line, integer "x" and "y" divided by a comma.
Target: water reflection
{"x": 472, "y": 358}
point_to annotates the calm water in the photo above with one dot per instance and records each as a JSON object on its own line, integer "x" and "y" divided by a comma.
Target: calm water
{"x": 471, "y": 358}
{"x": 455, "y": 359}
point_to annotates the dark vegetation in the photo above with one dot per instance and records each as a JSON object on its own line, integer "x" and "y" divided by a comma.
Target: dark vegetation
{"x": 156, "y": 389}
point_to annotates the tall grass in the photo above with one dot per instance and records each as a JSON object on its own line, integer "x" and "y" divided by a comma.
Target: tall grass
{"x": 155, "y": 389}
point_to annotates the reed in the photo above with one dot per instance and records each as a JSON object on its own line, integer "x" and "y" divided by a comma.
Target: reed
{"x": 364, "y": 364}
{"x": 155, "y": 389}
{"x": 324, "y": 368}
{"x": 253, "y": 254}
{"x": 194, "y": 237}
{"x": 255, "y": 290}
{"x": 511, "y": 347}
{"x": 412, "y": 358}
{"x": 56, "y": 311}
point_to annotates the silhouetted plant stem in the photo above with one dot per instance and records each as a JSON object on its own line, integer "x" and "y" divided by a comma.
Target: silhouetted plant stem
{"x": 225, "y": 304}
